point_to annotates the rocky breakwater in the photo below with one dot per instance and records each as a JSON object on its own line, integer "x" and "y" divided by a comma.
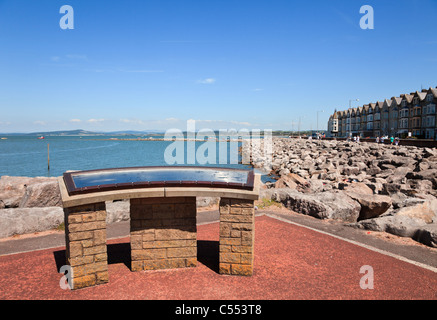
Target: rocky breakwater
{"x": 29, "y": 205}
{"x": 366, "y": 185}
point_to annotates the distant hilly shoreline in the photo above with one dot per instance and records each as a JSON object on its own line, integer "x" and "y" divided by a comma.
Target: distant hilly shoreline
{"x": 81, "y": 132}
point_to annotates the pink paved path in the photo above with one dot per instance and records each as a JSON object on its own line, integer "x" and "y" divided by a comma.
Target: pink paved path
{"x": 291, "y": 262}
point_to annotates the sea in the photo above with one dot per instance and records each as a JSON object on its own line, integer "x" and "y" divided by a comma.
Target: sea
{"x": 52, "y": 156}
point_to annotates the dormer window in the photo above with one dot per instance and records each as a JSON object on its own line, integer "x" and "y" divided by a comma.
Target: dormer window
{"x": 430, "y": 97}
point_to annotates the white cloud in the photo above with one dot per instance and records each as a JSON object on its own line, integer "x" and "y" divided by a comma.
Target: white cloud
{"x": 75, "y": 120}
{"x": 95, "y": 120}
{"x": 207, "y": 81}
{"x": 40, "y": 123}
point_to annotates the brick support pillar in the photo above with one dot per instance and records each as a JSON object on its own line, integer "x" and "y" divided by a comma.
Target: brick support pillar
{"x": 163, "y": 233}
{"x": 237, "y": 230}
{"x": 85, "y": 233}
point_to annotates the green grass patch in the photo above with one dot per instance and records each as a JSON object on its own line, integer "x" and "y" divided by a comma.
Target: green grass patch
{"x": 61, "y": 227}
{"x": 265, "y": 203}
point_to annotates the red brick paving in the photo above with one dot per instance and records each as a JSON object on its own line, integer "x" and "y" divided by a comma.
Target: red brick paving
{"x": 291, "y": 262}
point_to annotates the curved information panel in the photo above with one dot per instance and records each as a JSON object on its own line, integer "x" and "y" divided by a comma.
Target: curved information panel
{"x": 81, "y": 182}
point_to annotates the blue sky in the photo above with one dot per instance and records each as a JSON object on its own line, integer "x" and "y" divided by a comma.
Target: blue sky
{"x": 141, "y": 65}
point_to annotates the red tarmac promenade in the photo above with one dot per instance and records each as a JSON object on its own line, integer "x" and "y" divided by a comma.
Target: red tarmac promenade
{"x": 291, "y": 262}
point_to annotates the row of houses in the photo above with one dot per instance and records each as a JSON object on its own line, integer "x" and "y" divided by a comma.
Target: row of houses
{"x": 411, "y": 114}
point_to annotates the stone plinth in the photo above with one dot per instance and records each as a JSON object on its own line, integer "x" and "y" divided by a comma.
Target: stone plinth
{"x": 163, "y": 229}
{"x": 237, "y": 230}
{"x": 85, "y": 233}
{"x": 163, "y": 233}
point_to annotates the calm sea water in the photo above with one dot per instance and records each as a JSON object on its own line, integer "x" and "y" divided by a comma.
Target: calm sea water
{"x": 27, "y": 156}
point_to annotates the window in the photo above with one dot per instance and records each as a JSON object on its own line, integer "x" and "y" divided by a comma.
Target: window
{"x": 404, "y": 103}
{"x": 403, "y": 123}
{"x": 416, "y": 101}
{"x": 430, "y": 97}
{"x": 404, "y": 113}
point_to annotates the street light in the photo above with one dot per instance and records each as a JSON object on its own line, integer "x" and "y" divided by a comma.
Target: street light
{"x": 318, "y": 119}
{"x": 350, "y": 117}
{"x": 299, "y": 124}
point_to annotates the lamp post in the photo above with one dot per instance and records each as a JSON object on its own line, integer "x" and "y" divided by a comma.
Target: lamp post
{"x": 300, "y": 118}
{"x": 318, "y": 119}
{"x": 350, "y": 117}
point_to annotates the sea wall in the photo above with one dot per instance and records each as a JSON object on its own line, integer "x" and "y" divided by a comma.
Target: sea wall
{"x": 29, "y": 205}
{"x": 365, "y": 185}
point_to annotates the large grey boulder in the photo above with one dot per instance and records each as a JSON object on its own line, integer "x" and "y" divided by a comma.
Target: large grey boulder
{"x": 203, "y": 202}
{"x": 359, "y": 187}
{"x": 411, "y": 221}
{"x": 429, "y": 174}
{"x": 44, "y": 194}
{"x": 22, "y": 192}
{"x": 29, "y": 220}
{"x": 426, "y": 211}
{"x": 402, "y": 226}
{"x": 12, "y": 190}
{"x": 117, "y": 211}
{"x": 427, "y": 235}
{"x": 371, "y": 205}
{"x": 324, "y": 205}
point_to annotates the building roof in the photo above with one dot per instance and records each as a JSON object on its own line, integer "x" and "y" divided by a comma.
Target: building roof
{"x": 421, "y": 95}
{"x": 408, "y": 97}
{"x": 388, "y": 102}
{"x": 392, "y": 102}
{"x": 397, "y": 100}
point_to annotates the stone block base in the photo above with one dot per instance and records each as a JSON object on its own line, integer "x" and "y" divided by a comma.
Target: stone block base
{"x": 85, "y": 232}
{"x": 163, "y": 233}
{"x": 237, "y": 230}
